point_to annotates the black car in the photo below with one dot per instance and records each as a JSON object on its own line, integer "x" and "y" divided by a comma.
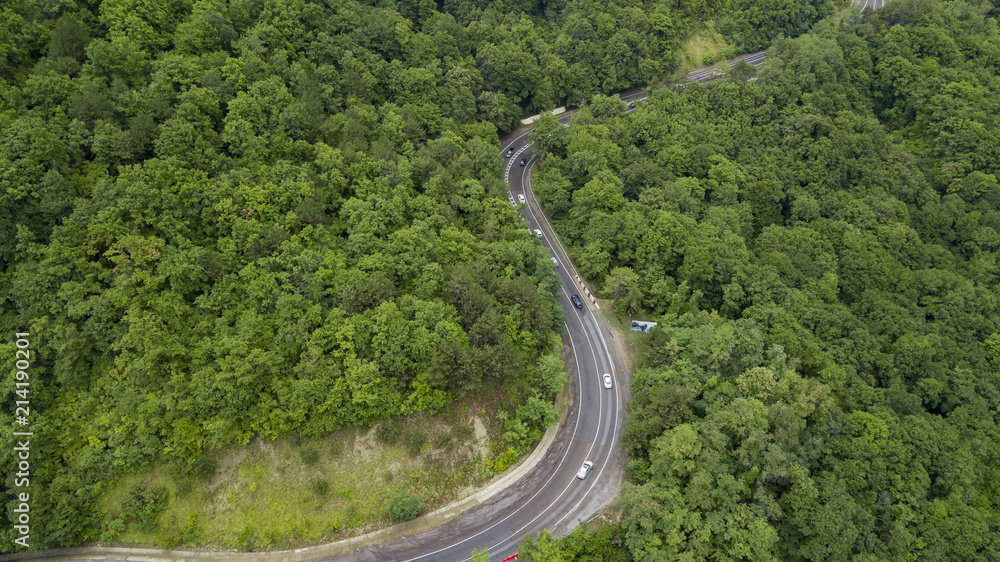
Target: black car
{"x": 577, "y": 301}
{"x": 631, "y": 105}
{"x": 524, "y": 161}
{"x": 509, "y": 153}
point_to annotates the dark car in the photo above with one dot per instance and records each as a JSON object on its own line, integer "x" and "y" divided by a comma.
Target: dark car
{"x": 509, "y": 153}
{"x": 524, "y": 161}
{"x": 577, "y": 301}
{"x": 631, "y": 105}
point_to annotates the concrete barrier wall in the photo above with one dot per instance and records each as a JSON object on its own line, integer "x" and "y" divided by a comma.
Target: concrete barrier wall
{"x": 533, "y": 118}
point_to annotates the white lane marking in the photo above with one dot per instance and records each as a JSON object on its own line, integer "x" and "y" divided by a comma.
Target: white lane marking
{"x": 561, "y": 253}
{"x": 525, "y": 184}
{"x": 576, "y": 427}
{"x": 515, "y": 139}
{"x": 510, "y": 163}
{"x": 600, "y": 413}
{"x": 504, "y": 148}
{"x": 755, "y": 59}
{"x": 614, "y": 429}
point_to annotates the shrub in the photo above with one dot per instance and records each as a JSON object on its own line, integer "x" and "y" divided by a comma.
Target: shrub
{"x": 387, "y": 432}
{"x": 274, "y": 537}
{"x": 415, "y": 439}
{"x": 143, "y": 507}
{"x": 204, "y": 468}
{"x": 320, "y": 487}
{"x": 443, "y": 440}
{"x": 551, "y": 375}
{"x": 464, "y": 431}
{"x": 404, "y": 507}
{"x": 247, "y": 538}
{"x": 192, "y": 531}
{"x": 350, "y": 514}
{"x": 336, "y": 448}
{"x": 309, "y": 455}
{"x": 117, "y": 525}
{"x": 505, "y": 460}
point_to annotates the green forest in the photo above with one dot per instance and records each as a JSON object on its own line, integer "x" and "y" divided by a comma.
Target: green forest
{"x": 232, "y": 219}
{"x": 225, "y": 220}
{"x": 820, "y": 247}
{"x": 228, "y": 220}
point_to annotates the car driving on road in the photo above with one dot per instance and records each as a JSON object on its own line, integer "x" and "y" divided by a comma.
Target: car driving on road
{"x": 584, "y": 470}
{"x": 607, "y": 380}
{"x": 538, "y": 233}
{"x": 509, "y": 153}
{"x": 577, "y": 301}
{"x": 524, "y": 161}
{"x": 520, "y": 197}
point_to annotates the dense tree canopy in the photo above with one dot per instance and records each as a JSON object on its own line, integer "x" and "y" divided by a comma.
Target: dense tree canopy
{"x": 229, "y": 220}
{"x": 236, "y": 218}
{"x": 820, "y": 248}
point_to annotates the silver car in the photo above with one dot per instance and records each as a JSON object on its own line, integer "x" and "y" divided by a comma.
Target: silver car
{"x": 607, "y": 380}
{"x": 584, "y": 470}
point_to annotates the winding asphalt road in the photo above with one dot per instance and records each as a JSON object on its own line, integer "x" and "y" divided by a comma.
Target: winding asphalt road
{"x": 549, "y": 496}
{"x": 873, "y": 4}
{"x": 711, "y": 73}
{"x": 555, "y": 499}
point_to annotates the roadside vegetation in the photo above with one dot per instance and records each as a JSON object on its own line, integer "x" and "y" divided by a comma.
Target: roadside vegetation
{"x": 241, "y": 221}
{"x": 299, "y": 490}
{"x": 703, "y": 48}
{"x": 227, "y": 223}
{"x": 820, "y": 248}
{"x": 296, "y": 490}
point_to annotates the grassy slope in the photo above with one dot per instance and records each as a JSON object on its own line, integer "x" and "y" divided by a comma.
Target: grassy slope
{"x": 297, "y": 491}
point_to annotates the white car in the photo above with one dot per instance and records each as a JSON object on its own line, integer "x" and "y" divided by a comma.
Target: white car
{"x": 538, "y": 233}
{"x": 607, "y": 380}
{"x": 584, "y": 470}
{"x": 520, "y": 197}
{"x": 555, "y": 261}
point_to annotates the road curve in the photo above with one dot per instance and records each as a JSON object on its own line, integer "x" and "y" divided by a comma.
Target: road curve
{"x": 872, "y": 4}
{"x": 556, "y": 500}
{"x": 549, "y": 496}
{"x": 704, "y": 75}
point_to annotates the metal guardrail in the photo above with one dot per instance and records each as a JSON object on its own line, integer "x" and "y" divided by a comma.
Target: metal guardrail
{"x": 587, "y": 292}
{"x": 704, "y": 75}
{"x": 571, "y": 267}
